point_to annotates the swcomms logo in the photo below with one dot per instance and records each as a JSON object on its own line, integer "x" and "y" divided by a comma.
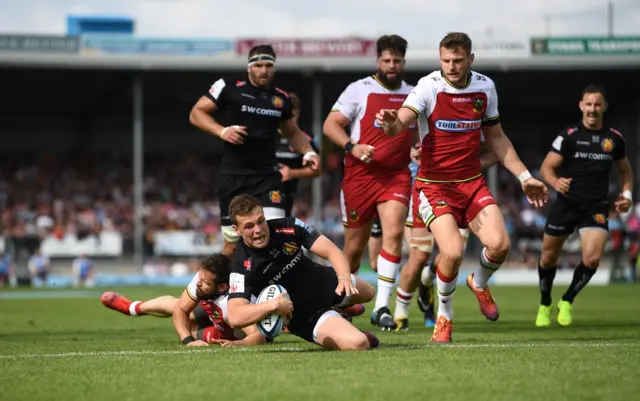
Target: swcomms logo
{"x": 260, "y": 111}
{"x": 592, "y": 156}
{"x": 286, "y": 268}
{"x": 458, "y": 125}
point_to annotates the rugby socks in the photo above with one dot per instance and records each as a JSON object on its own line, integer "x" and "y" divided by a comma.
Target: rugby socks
{"x": 134, "y": 309}
{"x": 428, "y": 274}
{"x": 403, "y": 302}
{"x": 446, "y": 291}
{"x": 581, "y": 277}
{"x": 388, "y": 267}
{"x": 546, "y": 276}
{"x": 486, "y": 269}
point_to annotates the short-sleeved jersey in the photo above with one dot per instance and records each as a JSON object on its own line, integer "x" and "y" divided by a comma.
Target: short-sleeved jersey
{"x": 290, "y": 158}
{"x": 360, "y": 102}
{"x": 216, "y": 307}
{"x": 282, "y": 262}
{"x": 261, "y": 111}
{"x": 588, "y": 157}
{"x": 450, "y": 120}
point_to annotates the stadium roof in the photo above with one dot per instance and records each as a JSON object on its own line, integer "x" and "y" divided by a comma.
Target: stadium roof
{"x": 147, "y": 62}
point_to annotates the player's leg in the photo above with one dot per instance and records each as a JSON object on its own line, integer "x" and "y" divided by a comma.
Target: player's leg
{"x": 159, "y": 307}
{"x": 375, "y": 243}
{"x": 560, "y": 223}
{"x": 594, "y": 236}
{"x": 485, "y": 219}
{"x": 392, "y": 216}
{"x": 353, "y": 305}
{"x": 335, "y": 333}
{"x": 421, "y": 246}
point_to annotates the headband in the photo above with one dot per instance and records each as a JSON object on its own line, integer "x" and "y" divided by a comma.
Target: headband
{"x": 262, "y": 57}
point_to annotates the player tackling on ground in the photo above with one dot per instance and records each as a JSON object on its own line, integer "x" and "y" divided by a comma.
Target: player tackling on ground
{"x": 454, "y": 106}
{"x": 376, "y": 174}
{"x": 578, "y": 167}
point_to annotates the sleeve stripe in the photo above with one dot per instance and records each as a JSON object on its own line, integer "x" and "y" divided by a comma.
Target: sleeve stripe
{"x": 493, "y": 118}
{"x": 412, "y": 109}
{"x": 191, "y": 295}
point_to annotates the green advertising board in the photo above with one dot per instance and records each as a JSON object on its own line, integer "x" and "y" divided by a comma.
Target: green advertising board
{"x": 589, "y": 45}
{"x": 38, "y": 44}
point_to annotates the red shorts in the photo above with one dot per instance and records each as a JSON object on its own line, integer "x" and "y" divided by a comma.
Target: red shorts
{"x": 359, "y": 197}
{"x": 464, "y": 200}
{"x": 414, "y": 220}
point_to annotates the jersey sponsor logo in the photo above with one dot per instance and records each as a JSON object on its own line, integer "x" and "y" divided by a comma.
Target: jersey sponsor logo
{"x": 286, "y": 231}
{"x": 557, "y": 143}
{"x": 260, "y": 111}
{"x": 247, "y": 95}
{"x": 396, "y": 99}
{"x": 478, "y": 105}
{"x": 304, "y": 225}
{"x": 607, "y": 145}
{"x": 290, "y": 248}
{"x": 247, "y": 264}
{"x": 286, "y": 268}
{"x": 485, "y": 198}
{"x": 572, "y": 130}
{"x": 403, "y": 196}
{"x": 458, "y": 125}
{"x": 353, "y": 216}
{"x": 461, "y": 100}
{"x": 595, "y": 138}
{"x": 277, "y": 101}
{"x": 217, "y": 88}
{"x": 583, "y": 143}
{"x": 599, "y": 218}
{"x": 241, "y": 83}
{"x": 592, "y": 156}
{"x": 275, "y": 197}
{"x": 236, "y": 283}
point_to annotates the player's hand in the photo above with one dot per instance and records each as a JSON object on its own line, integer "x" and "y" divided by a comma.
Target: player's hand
{"x": 536, "y": 192}
{"x": 312, "y": 161}
{"x": 285, "y": 171}
{"x": 623, "y": 204}
{"x": 197, "y": 343}
{"x": 415, "y": 154}
{"x": 562, "y": 185}
{"x": 386, "y": 117}
{"x": 234, "y": 134}
{"x": 345, "y": 286}
{"x": 284, "y": 306}
{"x": 223, "y": 343}
{"x": 363, "y": 152}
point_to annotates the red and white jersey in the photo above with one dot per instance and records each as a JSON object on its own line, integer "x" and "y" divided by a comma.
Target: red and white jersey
{"x": 360, "y": 102}
{"x": 216, "y": 308}
{"x": 450, "y": 120}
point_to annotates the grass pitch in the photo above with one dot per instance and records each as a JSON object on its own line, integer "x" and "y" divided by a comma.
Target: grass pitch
{"x": 64, "y": 345}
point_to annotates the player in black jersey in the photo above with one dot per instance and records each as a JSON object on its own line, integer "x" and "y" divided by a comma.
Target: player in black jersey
{"x": 585, "y": 154}
{"x": 271, "y": 253}
{"x": 260, "y": 111}
{"x": 291, "y": 166}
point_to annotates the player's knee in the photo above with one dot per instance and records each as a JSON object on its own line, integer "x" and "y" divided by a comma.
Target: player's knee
{"x": 393, "y": 233}
{"x": 366, "y": 292}
{"x": 499, "y": 247}
{"x": 357, "y": 342}
{"x": 592, "y": 261}
{"x": 452, "y": 255}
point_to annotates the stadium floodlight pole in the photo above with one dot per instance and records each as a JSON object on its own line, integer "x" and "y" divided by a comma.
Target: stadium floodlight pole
{"x": 138, "y": 154}
{"x": 318, "y": 121}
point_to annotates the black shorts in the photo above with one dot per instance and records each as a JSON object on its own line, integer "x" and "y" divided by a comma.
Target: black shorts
{"x": 264, "y": 187}
{"x": 306, "y": 314}
{"x": 567, "y": 215}
{"x": 376, "y": 228}
{"x": 288, "y": 204}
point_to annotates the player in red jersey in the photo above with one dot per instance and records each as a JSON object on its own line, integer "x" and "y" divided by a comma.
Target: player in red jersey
{"x": 200, "y": 315}
{"x": 376, "y": 173}
{"x": 454, "y": 106}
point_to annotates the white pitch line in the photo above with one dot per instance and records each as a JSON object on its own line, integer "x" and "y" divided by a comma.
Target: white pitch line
{"x": 298, "y": 349}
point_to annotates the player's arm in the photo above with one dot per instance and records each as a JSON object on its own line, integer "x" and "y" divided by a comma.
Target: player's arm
{"x": 626, "y": 176}
{"x": 306, "y": 171}
{"x": 625, "y": 200}
{"x": 487, "y": 159}
{"x": 418, "y": 102}
{"x": 253, "y": 337}
{"x": 300, "y": 142}
{"x": 200, "y": 115}
{"x": 549, "y": 169}
{"x": 326, "y": 249}
{"x": 502, "y": 148}
{"x": 243, "y": 314}
{"x": 185, "y": 305}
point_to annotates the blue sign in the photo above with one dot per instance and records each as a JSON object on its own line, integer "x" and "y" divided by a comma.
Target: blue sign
{"x": 115, "y": 44}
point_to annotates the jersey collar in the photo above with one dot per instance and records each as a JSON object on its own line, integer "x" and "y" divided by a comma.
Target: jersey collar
{"x": 375, "y": 76}
{"x": 466, "y": 85}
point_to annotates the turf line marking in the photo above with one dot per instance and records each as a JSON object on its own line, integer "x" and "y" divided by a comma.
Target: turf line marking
{"x": 299, "y": 349}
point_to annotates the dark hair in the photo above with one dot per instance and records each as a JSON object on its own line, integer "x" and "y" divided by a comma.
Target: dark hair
{"x": 456, "y": 39}
{"x": 393, "y": 43}
{"x": 242, "y": 205}
{"x": 217, "y": 264}
{"x": 262, "y": 49}
{"x": 593, "y": 88}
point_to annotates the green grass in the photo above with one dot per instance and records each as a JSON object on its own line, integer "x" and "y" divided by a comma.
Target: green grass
{"x": 75, "y": 349}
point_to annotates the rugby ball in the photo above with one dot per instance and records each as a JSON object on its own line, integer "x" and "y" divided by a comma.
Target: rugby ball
{"x": 273, "y": 324}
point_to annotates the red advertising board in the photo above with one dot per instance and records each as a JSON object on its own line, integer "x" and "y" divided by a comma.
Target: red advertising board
{"x": 311, "y": 47}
